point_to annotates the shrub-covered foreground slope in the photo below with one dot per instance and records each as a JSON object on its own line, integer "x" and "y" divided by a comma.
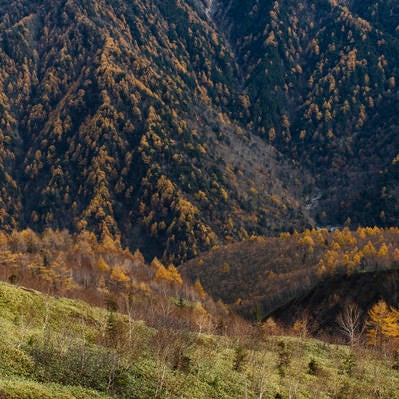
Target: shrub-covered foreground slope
{"x": 59, "y": 348}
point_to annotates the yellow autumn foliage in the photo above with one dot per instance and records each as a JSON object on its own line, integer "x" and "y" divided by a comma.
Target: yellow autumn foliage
{"x": 169, "y": 274}
{"x": 119, "y": 276}
{"x": 383, "y": 324}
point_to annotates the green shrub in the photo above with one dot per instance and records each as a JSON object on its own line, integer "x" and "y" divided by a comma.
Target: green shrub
{"x": 284, "y": 358}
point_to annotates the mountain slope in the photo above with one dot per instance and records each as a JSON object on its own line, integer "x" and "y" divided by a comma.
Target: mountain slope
{"x": 322, "y": 305}
{"x": 261, "y": 276}
{"x": 178, "y": 126}
{"x": 322, "y": 80}
{"x": 116, "y": 115}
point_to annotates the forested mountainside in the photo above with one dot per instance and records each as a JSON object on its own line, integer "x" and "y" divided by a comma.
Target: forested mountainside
{"x": 316, "y": 273}
{"x": 321, "y": 79}
{"x": 117, "y": 114}
{"x": 178, "y": 125}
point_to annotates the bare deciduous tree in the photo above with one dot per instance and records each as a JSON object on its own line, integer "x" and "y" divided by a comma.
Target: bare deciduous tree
{"x": 350, "y": 323}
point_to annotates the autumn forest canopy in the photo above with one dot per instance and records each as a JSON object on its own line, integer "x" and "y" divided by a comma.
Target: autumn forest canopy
{"x": 177, "y": 129}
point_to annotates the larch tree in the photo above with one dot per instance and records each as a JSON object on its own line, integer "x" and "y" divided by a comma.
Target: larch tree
{"x": 380, "y": 318}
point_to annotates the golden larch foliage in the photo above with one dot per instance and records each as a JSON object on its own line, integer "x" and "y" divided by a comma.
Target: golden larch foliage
{"x": 102, "y": 266}
{"x": 200, "y": 289}
{"x": 383, "y": 324}
{"x": 119, "y": 276}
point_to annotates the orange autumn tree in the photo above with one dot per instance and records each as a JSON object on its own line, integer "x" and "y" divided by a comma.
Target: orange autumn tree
{"x": 200, "y": 289}
{"x": 169, "y": 274}
{"x": 118, "y": 276}
{"x": 391, "y": 328}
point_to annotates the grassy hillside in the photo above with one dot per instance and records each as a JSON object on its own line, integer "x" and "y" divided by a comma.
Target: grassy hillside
{"x": 54, "y": 347}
